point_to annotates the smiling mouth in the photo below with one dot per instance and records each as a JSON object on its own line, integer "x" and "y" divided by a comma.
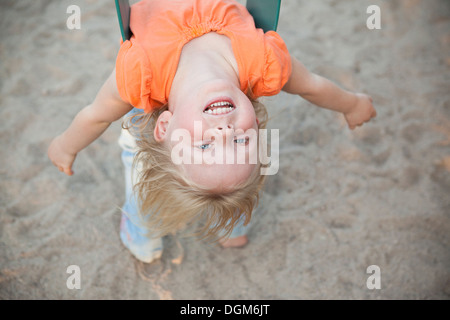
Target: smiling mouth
{"x": 219, "y": 108}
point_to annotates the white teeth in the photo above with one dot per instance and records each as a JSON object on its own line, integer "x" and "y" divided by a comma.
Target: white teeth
{"x": 218, "y": 104}
{"x": 219, "y": 108}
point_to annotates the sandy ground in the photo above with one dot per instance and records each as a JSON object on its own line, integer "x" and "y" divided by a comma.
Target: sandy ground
{"x": 341, "y": 201}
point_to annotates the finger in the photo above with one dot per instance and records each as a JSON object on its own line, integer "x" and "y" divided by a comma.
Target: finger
{"x": 68, "y": 171}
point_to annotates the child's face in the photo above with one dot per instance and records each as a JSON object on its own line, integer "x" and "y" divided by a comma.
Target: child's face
{"x": 216, "y": 130}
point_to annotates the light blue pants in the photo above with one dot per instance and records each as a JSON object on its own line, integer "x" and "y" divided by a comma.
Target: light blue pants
{"x": 132, "y": 231}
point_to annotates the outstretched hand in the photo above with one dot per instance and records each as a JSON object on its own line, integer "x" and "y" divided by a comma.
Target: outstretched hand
{"x": 60, "y": 158}
{"x": 362, "y": 112}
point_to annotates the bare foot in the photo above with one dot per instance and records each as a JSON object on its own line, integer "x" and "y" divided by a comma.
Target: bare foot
{"x": 237, "y": 242}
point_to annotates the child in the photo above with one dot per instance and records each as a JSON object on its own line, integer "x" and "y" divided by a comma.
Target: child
{"x": 191, "y": 63}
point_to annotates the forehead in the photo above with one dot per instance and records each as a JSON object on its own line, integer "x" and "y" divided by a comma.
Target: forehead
{"x": 219, "y": 177}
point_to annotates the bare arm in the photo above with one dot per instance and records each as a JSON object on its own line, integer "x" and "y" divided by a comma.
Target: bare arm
{"x": 357, "y": 108}
{"x": 88, "y": 125}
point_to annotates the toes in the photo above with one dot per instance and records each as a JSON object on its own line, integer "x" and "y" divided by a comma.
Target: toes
{"x": 237, "y": 242}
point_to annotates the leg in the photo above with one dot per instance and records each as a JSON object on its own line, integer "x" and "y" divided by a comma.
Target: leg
{"x": 132, "y": 233}
{"x": 238, "y": 237}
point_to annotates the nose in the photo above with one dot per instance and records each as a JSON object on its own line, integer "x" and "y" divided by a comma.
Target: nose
{"x": 225, "y": 132}
{"x": 224, "y": 127}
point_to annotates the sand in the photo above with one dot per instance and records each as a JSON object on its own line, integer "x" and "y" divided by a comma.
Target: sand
{"x": 342, "y": 200}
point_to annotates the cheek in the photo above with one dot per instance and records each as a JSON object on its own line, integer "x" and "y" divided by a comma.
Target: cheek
{"x": 248, "y": 120}
{"x": 188, "y": 121}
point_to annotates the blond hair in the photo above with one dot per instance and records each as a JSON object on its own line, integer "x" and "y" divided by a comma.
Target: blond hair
{"x": 168, "y": 202}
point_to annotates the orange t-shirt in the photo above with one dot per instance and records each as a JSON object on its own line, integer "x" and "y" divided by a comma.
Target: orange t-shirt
{"x": 146, "y": 64}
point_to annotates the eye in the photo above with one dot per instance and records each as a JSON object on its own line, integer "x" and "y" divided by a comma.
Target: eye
{"x": 204, "y": 146}
{"x": 241, "y": 141}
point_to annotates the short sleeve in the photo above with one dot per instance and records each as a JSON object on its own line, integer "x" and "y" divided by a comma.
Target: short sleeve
{"x": 278, "y": 65}
{"x": 134, "y": 76}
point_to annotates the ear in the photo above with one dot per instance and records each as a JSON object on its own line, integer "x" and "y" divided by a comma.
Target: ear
{"x": 161, "y": 126}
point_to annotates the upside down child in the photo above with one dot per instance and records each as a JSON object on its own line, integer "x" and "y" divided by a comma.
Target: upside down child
{"x": 192, "y": 62}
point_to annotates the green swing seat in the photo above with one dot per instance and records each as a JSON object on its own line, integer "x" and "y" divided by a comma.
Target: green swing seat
{"x": 264, "y": 12}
